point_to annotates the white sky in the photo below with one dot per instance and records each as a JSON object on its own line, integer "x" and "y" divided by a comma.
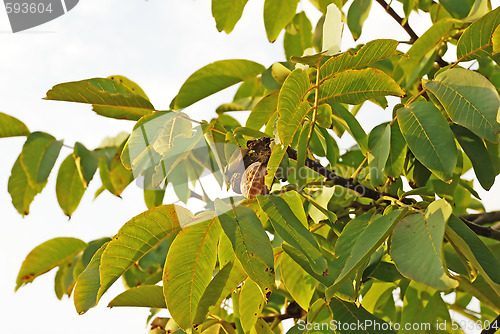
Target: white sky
{"x": 156, "y": 43}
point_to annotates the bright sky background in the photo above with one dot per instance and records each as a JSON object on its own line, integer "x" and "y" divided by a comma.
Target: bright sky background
{"x": 158, "y": 44}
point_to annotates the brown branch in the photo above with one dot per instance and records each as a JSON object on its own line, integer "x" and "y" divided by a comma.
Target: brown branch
{"x": 406, "y": 26}
{"x": 399, "y": 19}
{"x": 483, "y": 231}
{"x": 483, "y": 218}
{"x": 340, "y": 181}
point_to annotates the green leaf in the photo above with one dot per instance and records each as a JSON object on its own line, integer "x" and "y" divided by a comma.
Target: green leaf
{"x": 291, "y": 230}
{"x": 408, "y": 6}
{"x": 417, "y": 243}
{"x": 476, "y": 41}
{"x": 47, "y": 256}
{"x": 292, "y": 107}
{"x": 153, "y": 198}
{"x": 356, "y": 16}
{"x": 213, "y": 78}
{"x": 69, "y": 186}
{"x": 297, "y": 282}
{"x": 369, "y": 240}
{"x": 114, "y": 176}
{"x": 227, "y": 13}
{"x": 221, "y": 286}
{"x": 397, "y": 153}
{"x": 422, "y": 304}
{"x": 133, "y": 114}
{"x": 137, "y": 237}
{"x": 109, "y": 97}
{"x": 250, "y": 242}
{"x": 277, "y": 14}
{"x": 423, "y": 52}
{"x": 38, "y": 156}
{"x": 349, "y": 122}
{"x": 273, "y": 165}
{"x": 429, "y": 138}
{"x": 86, "y": 162}
{"x": 20, "y": 190}
{"x": 477, "y": 152}
{"x": 65, "y": 279}
{"x": 188, "y": 269}
{"x": 470, "y": 100}
{"x": 356, "y": 86}
{"x": 251, "y": 303}
{"x": 367, "y": 55}
{"x": 141, "y": 296}
{"x": 495, "y": 40}
{"x": 378, "y": 152}
{"x": 458, "y": 8}
{"x": 12, "y": 127}
{"x": 263, "y": 111}
{"x": 298, "y": 36}
{"x": 88, "y": 284}
{"x": 350, "y": 314}
{"x": 465, "y": 241}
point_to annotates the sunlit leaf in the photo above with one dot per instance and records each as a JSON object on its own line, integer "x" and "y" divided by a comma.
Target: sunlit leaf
{"x": 417, "y": 243}
{"x": 227, "y": 13}
{"x": 292, "y": 107}
{"x": 221, "y": 286}
{"x": 470, "y": 245}
{"x": 298, "y": 283}
{"x": 251, "y": 303}
{"x": 38, "y": 156}
{"x": 109, "y": 98}
{"x": 188, "y": 269}
{"x": 369, "y": 240}
{"x": 47, "y": 256}
{"x": 291, "y": 230}
{"x": 356, "y": 86}
{"x": 88, "y": 284}
{"x": 20, "y": 190}
{"x": 476, "y": 41}
{"x": 250, "y": 242}
{"x": 356, "y": 16}
{"x": 213, "y": 78}
{"x": 141, "y": 296}
{"x": 277, "y": 14}
{"x": 86, "y": 162}
{"x": 298, "y": 36}
{"x": 470, "y": 100}
{"x": 69, "y": 186}
{"x": 429, "y": 138}
{"x": 137, "y": 237}
{"x": 12, "y": 127}
{"x": 477, "y": 152}
{"x": 379, "y": 148}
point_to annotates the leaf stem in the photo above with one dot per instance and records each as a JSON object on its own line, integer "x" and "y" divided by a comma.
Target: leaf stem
{"x": 316, "y": 103}
{"x": 424, "y": 90}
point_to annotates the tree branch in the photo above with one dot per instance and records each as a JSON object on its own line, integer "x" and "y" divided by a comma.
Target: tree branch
{"x": 399, "y": 19}
{"x": 483, "y": 218}
{"x": 340, "y": 181}
{"x": 406, "y": 26}
{"x": 483, "y": 231}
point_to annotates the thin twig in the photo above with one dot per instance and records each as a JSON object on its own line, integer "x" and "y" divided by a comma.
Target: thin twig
{"x": 399, "y": 19}
{"x": 483, "y": 231}
{"x": 483, "y": 218}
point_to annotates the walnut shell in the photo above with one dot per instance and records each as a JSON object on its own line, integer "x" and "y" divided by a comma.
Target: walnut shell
{"x": 253, "y": 180}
